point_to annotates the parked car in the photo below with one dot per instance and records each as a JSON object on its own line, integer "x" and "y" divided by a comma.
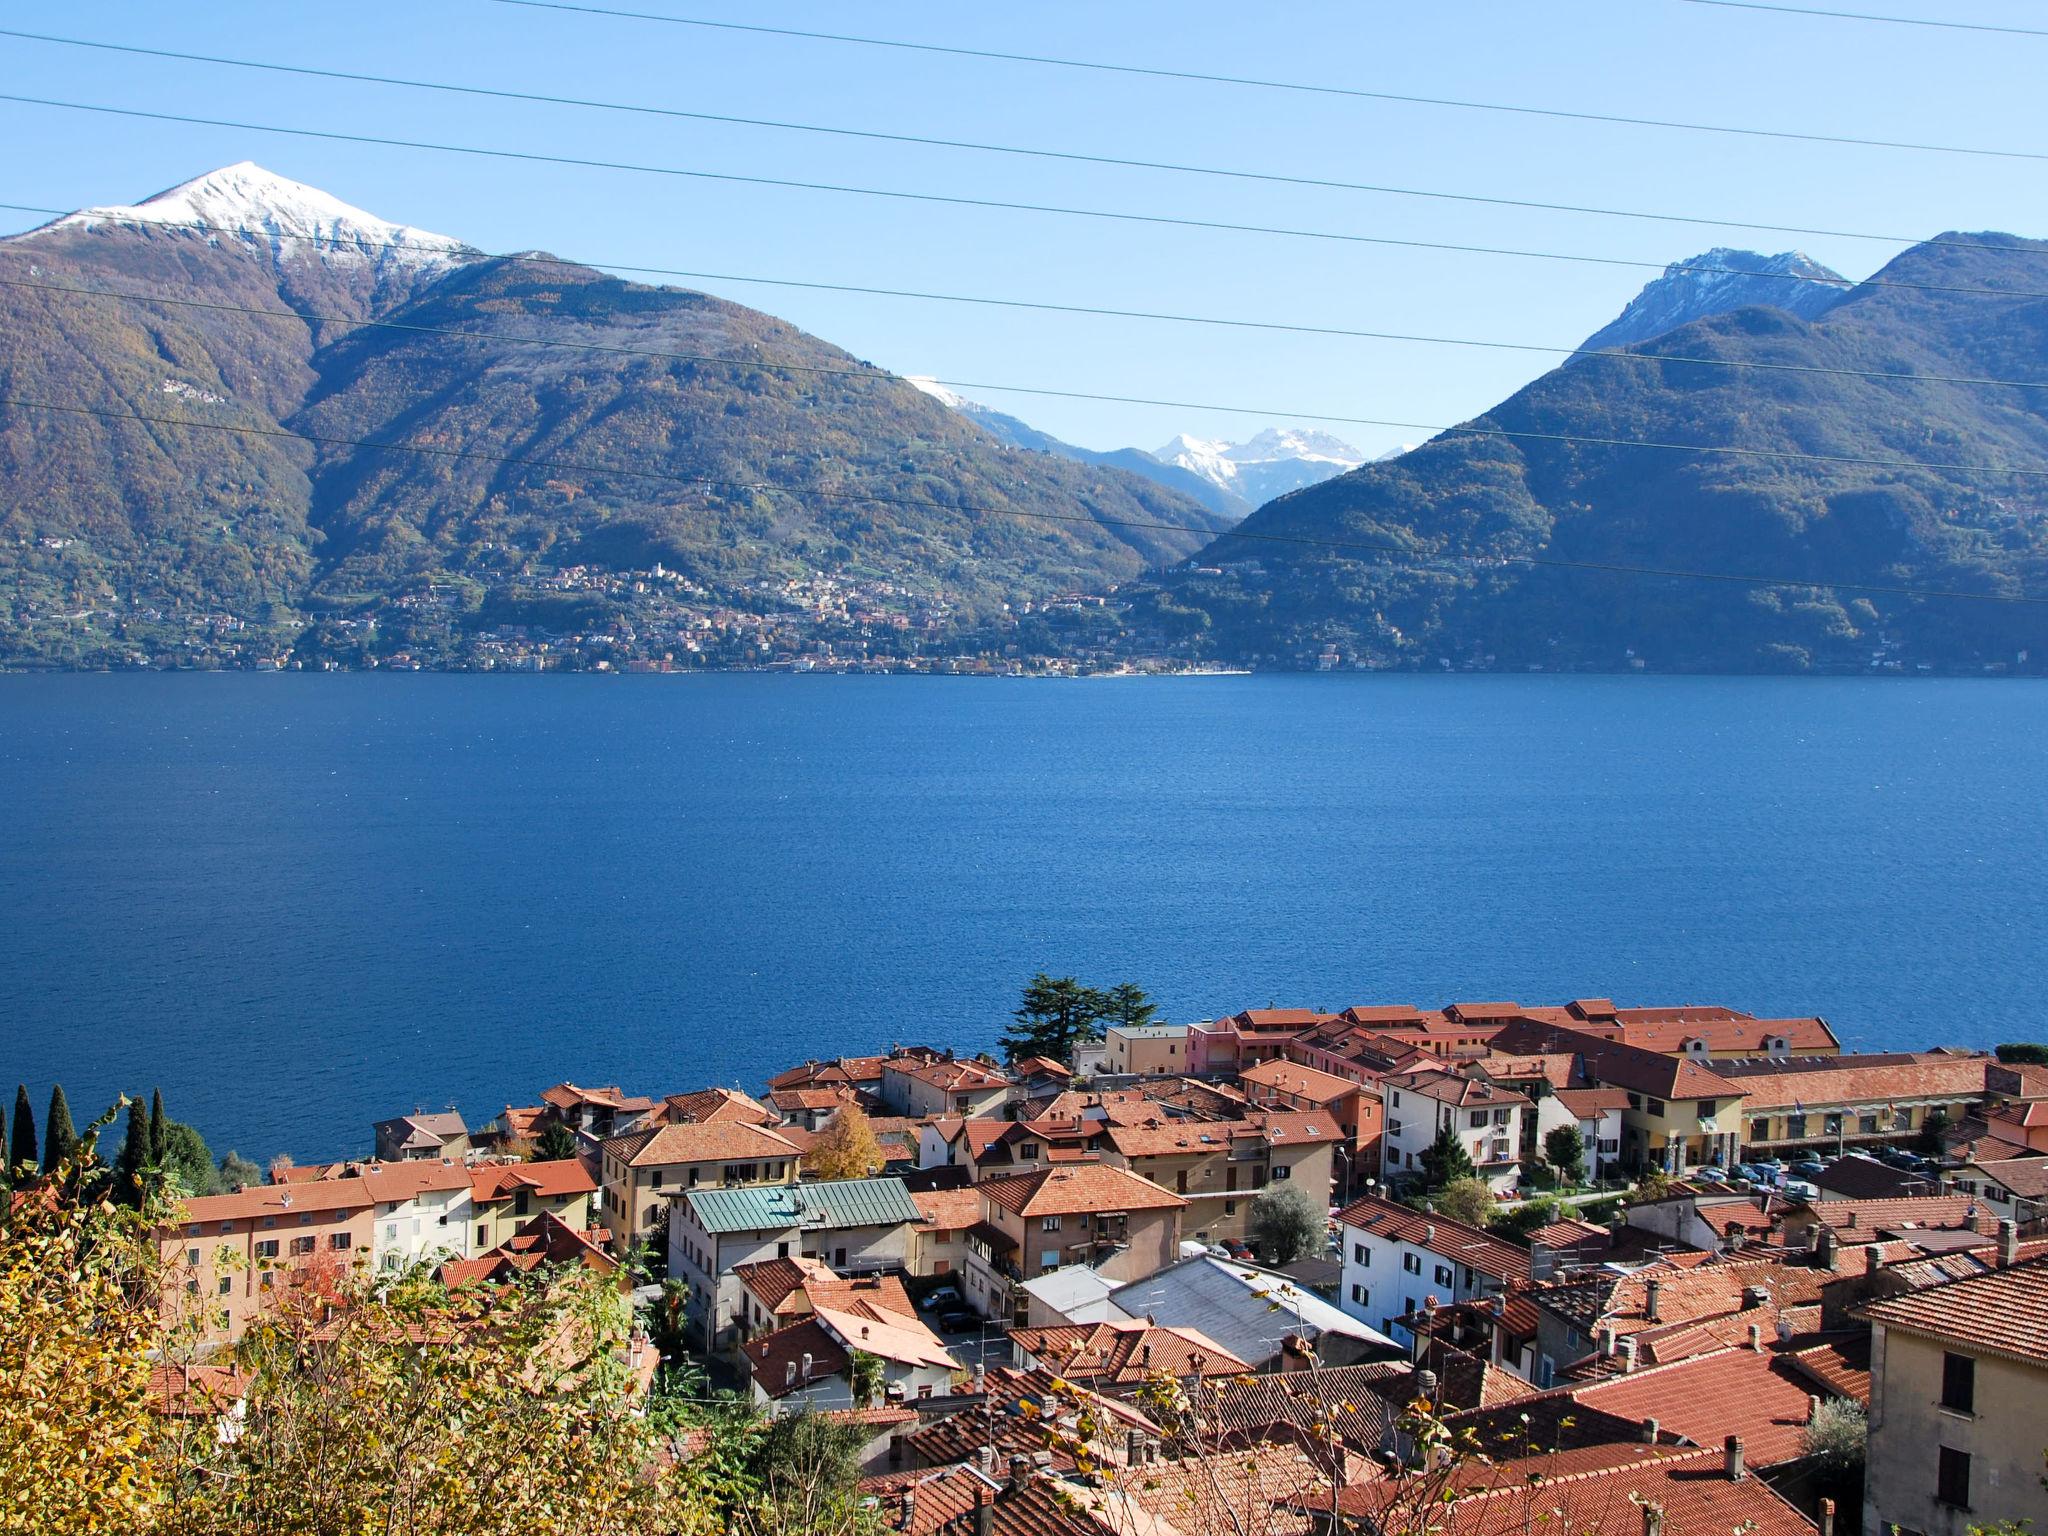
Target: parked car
{"x": 1749, "y": 1171}
{"x": 944, "y": 1298}
{"x": 1800, "y": 1189}
{"x": 1808, "y": 1170}
{"x": 1709, "y": 1175}
{"x": 959, "y": 1321}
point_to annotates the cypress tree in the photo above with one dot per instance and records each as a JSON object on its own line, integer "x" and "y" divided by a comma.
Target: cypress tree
{"x": 134, "y": 1157}
{"x": 21, "y": 1146}
{"x": 59, "y": 1135}
{"x": 159, "y": 1130}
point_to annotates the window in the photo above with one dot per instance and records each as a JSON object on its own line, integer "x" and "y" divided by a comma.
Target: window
{"x": 339, "y": 1241}
{"x": 191, "y": 1287}
{"x": 1412, "y": 1262}
{"x": 301, "y": 1247}
{"x": 267, "y": 1249}
{"x": 1958, "y": 1383}
{"x": 1866, "y": 1123}
{"x": 483, "y": 1235}
{"x": 1795, "y": 1127}
{"x": 655, "y": 1181}
{"x": 1362, "y": 1254}
{"x": 1635, "y": 1101}
{"x": 942, "y": 1266}
{"x": 1654, "y": 1106}
{"x": 1902, "y": 1119}
{"x": 1952, "y": 1478}
{"x": 1180, "y": 1181}
{"x": 1443, "y": 1274}
{"x": 520, "y": 1203}
{"x": 782, "y": 1250}
{"x": 1230, "y": 1178}
{"x": 1759, "y": 1130}
{"x": 1478, "y": 1118}
{"x": 227, "y": 1284}
{"x": 1503, "y": 1116}
{"x": 1397, "y": 1098}
{"x": 1831, "y": 1125}
{"x": 192, "y": 1257}
{"x": 1360, "y": 1296}
{"x": 1230, "y": 1207}
{"x": 1049, "y": 1259}
{"x": 1049, "y": 1224}
{"x": 1283, "y": 1171}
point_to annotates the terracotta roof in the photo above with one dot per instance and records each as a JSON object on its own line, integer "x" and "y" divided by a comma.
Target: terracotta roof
{"x": 1852, "y": 1083}
{"x": 1041, "y": 1066}
{"x": 1741, "y": 1391}
{"x": 728, "y": 1141}
{"x": 1359, "y": 1402}
{"x": 1455, "y": 1088}
{"x": 960, "y": 1075}
{"x": 1080, "y": 1189}
{"x": 772, "y": 1354}
{"x": 1011, "y": 1417}
{"x": 1161, "y": 1137}
{"x": 1612, "y": 1063}
{"x": 545, "y": 1240}
{"x": 1841, "y": 1365}
{"x": 2003, "y": 1313}
{"x": 279, "y": 1201}
{"x": 1125, "y": 1354}
{"x": 2025, "y": 1176}
{"x": 1298, "y": 1081}
{"x": 569, "y": 1096}
{"x": 502, "y": 1181}
{"x": 1568, "y": 1234}
{"x": 947, "y": 1210}
{"x": 1201, "y": 1496}
{"x": 1587, "y": 1103}
{"x": 1275, "y": 1018}
{"x": 774, "y": 1281}
{"x": 708, "y": 1106}
{"x": 1601, "y": 1491}
{"x": 1731, "y": 1035}
{"x": 794, "y": 1100}
{"x": 1440, "y": 1235}
{"x": 1854, "y": 1219}
{"x": 393, "y": 1183}
{"x": 196, "y": 1391}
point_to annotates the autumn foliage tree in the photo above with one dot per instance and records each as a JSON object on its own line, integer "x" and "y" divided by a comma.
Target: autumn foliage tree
{"x": 847, "y": 1148}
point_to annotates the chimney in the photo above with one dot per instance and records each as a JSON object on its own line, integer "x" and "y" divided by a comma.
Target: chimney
{"x": 1755, "y": 1296}
{"x": 1607, "y": 1340}
{"x": 1628, "y": 1355}
{"x": 985, "y": 1460}
{"x": 1428, "y": 1233}
{"x": 1653, "y": 1520}
{"x": 1756, "y": 1338}
{"x": 1652, "y": 1296}
{"x": 1649, "y": 1431}
{"x": 984, "y": 1512}
{"x": 1020, "y": 1473}
{"x": 1826, "y": 1248}
{"x": 1425, "y": 1386}
{"x": 908, "y": 1504}
{"x": 1812, "y": 1409}
{"x": 1134, "y": 1447}
{"x": 1827, "y": 1517}
{"x": 1732, "y": 1457}
{"x": 1873, "y": 1258}
{"x": 2008, "y": 1243}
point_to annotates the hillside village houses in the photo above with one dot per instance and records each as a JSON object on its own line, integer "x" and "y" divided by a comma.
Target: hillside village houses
{"x": 1095, "y": 1210}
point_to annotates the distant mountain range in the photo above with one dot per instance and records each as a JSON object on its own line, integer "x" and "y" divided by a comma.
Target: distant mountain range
{"x": 1229, "y": 478}
{"x": 743, "y": 481}
{"x": 1494, "y": 545}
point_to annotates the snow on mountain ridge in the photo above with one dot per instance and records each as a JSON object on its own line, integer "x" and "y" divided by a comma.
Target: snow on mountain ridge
{"x": 1716, "y": 282}
{"x": 1276, "y": 461}
{"x": 257, "y": 205}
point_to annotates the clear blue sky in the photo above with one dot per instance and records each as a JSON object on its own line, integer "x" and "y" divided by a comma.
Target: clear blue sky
{"x": 1658, "y": 58}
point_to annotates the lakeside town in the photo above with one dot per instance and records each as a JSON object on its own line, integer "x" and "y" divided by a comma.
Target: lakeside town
{"x": 1705, "y": 1271}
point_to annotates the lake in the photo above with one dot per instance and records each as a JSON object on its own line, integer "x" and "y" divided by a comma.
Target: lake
{"x": 303, "y": 903}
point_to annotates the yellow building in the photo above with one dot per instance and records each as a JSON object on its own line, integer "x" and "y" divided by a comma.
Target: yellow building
{"x": 504, "y": 1197}
{"x": 641, "y": 1171}
{"x": 1151, "y": 1050}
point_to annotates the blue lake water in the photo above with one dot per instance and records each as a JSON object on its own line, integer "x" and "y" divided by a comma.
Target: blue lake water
{"x": 302, "y": 903}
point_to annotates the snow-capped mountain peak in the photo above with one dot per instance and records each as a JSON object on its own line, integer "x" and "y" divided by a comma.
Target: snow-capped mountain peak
{"x": 1276, "y": 461}
{"x": 940, "y": 393}
{"x": 1718, "y": 281}
{"x": 261, "y": 207}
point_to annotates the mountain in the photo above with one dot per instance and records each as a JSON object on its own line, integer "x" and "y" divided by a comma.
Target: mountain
{"x": 1718, "y": 282}
{"x": 1273, "y": 463}
{"x": 1837, "y": 484}
{"x": 747, "y": 473}
{"x": 1225, "y": 503}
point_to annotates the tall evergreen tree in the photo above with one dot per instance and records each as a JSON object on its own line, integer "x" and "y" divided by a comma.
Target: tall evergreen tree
{"x": 159, "y": 1130}
{"x": 1446, "y": 1159}
{"x": 1055, "y": 1017}
{"x": 59, "y": 1134}
{"x": 129, "y": 1170}
{"x": 1126, "y": 1006}
{"x": 21, "y": 1145}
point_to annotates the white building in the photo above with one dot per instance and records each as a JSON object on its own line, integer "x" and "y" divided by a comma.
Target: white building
{"x": 808, "y": 1364}
{"x": 1398, "y": 1260}
{"x": 1485, "y": 1118}
{"x": 1597, "y": 1114}
{"x": 422, "y": 1212}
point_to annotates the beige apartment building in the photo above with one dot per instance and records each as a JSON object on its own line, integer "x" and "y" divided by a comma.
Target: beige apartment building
{"x": 1083, "y": 1213}
{"x": 1959, "y": 1404}
{"x": 1152, "y": 1050}
{"x": 642, "y": 1171}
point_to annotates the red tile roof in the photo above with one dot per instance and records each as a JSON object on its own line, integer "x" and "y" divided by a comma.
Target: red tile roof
{"x": 490, "y": 1182}
{"x": 196, "y": 1391}
{"x": 545, "y": 1240}
{"x": 2002, "y": 1313}
{"x": 1854, "y": 1220}
{"x": 960, "y": 1075}
{"x": 1125, "y": 1354}
{"x": 1455, "y": 1088}
{"x": 774, "y": 1281}
{"x": 1439, "y": 1235}
{"x": 947, "y": 1210}
{"x": 1080, "y": 1189}
{"x": 728, "y": 1141}
{"x": 1298, "y": 1081}
{"x": 1850, "y": 1082}
{"x": 708, "y": 1106}
{"x": 1743, "y": 1392}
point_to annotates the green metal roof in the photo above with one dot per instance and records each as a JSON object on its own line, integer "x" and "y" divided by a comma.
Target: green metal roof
{"x": 815, "y": 1207}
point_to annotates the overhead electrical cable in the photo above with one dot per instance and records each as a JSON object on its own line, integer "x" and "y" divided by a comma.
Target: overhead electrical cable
{"x": 1249, "y": 82}
{"x": 1895, "y": 21}
{"x": 1402, "y": 555}
{"x": 954, "y": 200}
{"x": 1026, "y": 151}
{"x": 309, "y": 317}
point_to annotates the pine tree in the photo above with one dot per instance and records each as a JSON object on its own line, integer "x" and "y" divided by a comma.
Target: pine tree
{"x": 59, "y": 1134}
{"x": 21, "y": 1146}
{"x": 1057, "y": 1015}
{"x": 1446, "y": 1159}
{"x": 134, "y": 1161}
{"x": 159, "y": 1130}
{"x": 1127, "y": 1006}
{"x": 556, "y": 1143}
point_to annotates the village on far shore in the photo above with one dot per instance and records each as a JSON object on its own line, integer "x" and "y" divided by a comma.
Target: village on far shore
{"x": 1677, "y": 1248}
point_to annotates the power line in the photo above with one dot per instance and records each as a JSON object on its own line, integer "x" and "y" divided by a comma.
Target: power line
{"x": 978, "y": 147}
{"x": 876, "y": 375}
{"x": 1404, "y": 556}
{"x": 1897, "y": 21}
{"x": 1093, "y": 310}
{"x": 1302, "y": 87}
{"x": 953, "y": 200}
